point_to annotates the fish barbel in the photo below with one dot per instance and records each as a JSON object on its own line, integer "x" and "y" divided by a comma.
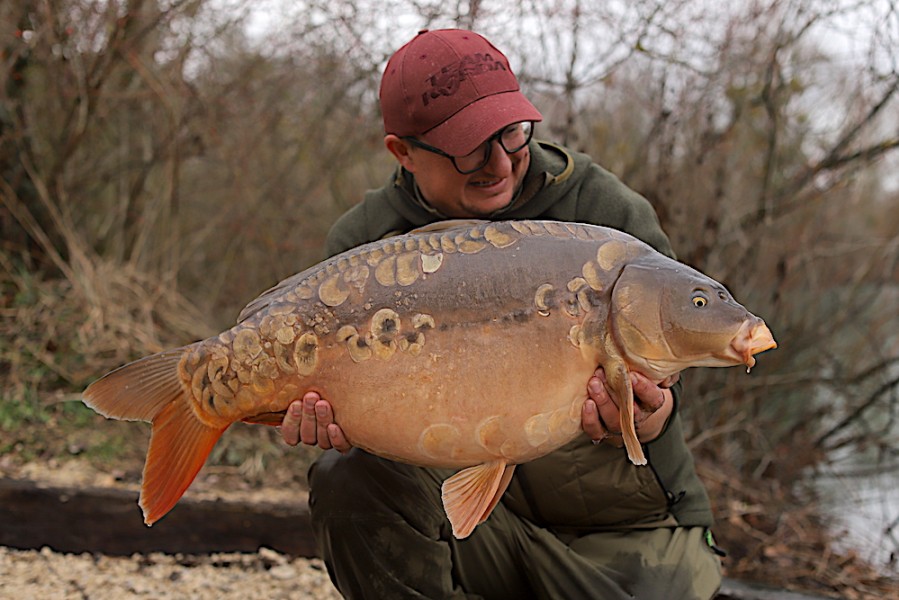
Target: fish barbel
{"x": 463, "y": 345}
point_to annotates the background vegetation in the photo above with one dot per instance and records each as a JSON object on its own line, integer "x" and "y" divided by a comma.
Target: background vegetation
{"x": 164, "y": 161}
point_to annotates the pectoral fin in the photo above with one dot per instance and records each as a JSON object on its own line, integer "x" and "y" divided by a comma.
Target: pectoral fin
{"x": 470, "y": 495}
{"x": 620, "y": 382}
{"x": 599, "y": 340}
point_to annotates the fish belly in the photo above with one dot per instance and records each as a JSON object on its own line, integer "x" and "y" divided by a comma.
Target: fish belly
{"x": 473, "y": 394}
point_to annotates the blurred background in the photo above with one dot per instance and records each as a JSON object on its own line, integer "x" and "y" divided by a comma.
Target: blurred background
{"x": 162, "y": 162}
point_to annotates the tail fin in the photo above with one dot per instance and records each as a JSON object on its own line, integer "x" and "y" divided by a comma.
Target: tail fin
{"x": 150, "y": 389}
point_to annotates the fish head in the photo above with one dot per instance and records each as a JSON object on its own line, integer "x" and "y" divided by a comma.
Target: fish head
{"x": 666, "y": 317}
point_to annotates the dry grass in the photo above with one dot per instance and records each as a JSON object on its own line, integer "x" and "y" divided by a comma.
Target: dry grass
{"x": 58, "y": 335}
{"x": 64, "y": 332}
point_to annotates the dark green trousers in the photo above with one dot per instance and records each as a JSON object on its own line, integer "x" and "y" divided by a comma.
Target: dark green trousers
{"x": 382, "y": 532}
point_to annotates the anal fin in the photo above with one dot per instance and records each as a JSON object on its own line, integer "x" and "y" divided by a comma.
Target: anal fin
{"x": 470, "y": 495}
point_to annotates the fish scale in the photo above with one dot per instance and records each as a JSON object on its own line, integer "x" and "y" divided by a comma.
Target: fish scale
{"x": 465, "y": 345}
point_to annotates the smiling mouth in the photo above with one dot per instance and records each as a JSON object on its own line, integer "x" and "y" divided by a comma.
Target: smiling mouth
{"x": 487, "y": 183}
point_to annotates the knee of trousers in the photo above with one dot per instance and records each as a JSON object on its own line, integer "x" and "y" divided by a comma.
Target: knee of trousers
{"x": 359, "y": 481}
{"x": 334, "y": 480}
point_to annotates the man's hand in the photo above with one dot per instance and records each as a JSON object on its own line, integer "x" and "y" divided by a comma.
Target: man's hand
{"x": 311, "y": 421}
{"x": 653, "y": 405}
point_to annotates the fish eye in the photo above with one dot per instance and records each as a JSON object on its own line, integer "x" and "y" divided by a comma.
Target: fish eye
{"x": 700, "y": 300}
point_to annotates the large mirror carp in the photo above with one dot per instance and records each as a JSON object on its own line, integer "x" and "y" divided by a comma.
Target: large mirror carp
{"x": 467, "y": 346}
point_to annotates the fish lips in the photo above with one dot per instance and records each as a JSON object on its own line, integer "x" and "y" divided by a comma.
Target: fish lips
{"x": 752, "y": 338}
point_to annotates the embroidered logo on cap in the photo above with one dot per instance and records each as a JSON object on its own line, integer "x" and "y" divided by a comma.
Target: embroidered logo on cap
{"x": 446, "y": 82}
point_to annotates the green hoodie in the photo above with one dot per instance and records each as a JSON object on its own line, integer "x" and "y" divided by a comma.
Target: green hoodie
{"x": 580, "y": 487}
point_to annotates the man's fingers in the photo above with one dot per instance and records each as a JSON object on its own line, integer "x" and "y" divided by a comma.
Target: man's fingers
{"x": 323, "y": 419}
{"x": 337, "y": 439}
{"x": 608, "y": 411}
{"x": 290, "y": 426}
{"x": 652, "y": 408}
{"x": 311, "y": 421}
{"x": 648, "y": 396}
{"x": 670, "y": 380}
{"x": 595, "y": 428}
{"x": 308, "y": 432}
{"x": 591, "y": 423}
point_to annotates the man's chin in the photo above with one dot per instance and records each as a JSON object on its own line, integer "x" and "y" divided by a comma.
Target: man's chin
{"x": 484, "y": 207}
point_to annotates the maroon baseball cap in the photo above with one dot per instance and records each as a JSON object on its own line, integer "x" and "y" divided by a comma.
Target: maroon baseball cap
{"x": 452, "y": 89}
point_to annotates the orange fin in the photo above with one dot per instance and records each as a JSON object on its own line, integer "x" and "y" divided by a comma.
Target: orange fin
{"x": 273, "y": 419}
{"x": 620, "y": 382}
{"x": 150, "y": 389}
{"x": 179, "y": 445}
{"x": 629, "y": 432}
{"x": 470, "y": 495}
{"x": 138, "y": 390}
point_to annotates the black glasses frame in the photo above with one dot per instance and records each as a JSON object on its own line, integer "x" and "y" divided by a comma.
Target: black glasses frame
{"x": 489, "y": 141}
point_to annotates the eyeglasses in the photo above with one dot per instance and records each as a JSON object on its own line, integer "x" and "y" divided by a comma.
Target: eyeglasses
{"x": 512, "y": 139}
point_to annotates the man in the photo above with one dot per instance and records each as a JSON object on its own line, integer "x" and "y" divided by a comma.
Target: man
{"x": 582, "y": 522}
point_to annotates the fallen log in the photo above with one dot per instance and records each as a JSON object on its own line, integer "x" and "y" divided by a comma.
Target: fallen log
{"x": 109, "y": 521}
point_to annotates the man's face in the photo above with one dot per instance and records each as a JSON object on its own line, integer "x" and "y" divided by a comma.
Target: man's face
{"x": 475, "y": 195}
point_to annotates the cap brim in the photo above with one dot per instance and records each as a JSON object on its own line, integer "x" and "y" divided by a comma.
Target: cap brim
{"x": 464, "y": 131}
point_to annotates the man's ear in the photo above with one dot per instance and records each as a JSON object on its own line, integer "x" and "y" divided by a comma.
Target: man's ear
{"x": 401, "y": 150}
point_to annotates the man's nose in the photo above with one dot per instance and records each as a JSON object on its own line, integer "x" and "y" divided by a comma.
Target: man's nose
{"x": 500, "y": 163}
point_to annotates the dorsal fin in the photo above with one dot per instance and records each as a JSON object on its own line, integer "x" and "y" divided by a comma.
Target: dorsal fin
{"x": 270, "y": 295}
{"x": 437, "y": 226}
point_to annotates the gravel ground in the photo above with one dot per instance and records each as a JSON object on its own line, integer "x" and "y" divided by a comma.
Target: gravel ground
{"x": 266, "y": 574}
{"x": 51, "y": 575}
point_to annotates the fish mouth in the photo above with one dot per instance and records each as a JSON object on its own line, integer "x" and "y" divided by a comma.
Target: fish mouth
{"x": 752, "y": 338}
